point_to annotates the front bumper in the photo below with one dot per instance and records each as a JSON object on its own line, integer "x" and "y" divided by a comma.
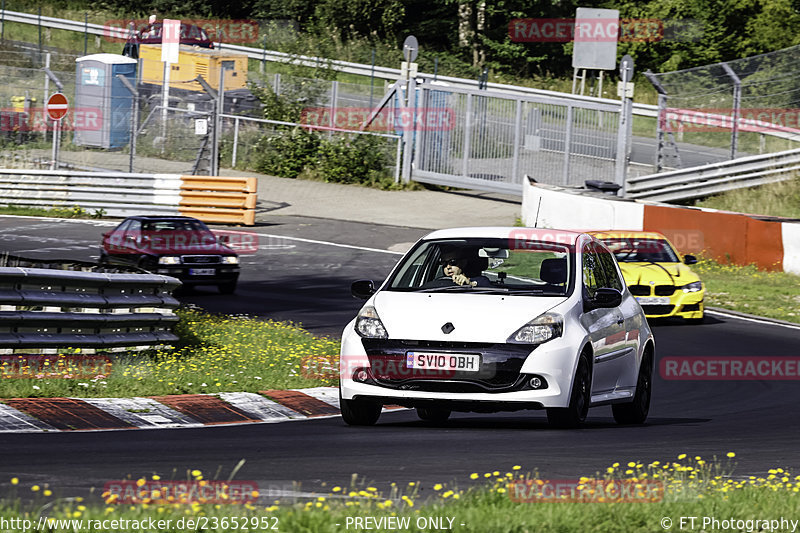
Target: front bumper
{"x": 681, "y": 304}
{"x": 375, "y": 369}
{"x": 199, "y": 274}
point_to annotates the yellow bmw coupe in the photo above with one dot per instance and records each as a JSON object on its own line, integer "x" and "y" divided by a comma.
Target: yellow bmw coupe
{"x": 656, "y": 275}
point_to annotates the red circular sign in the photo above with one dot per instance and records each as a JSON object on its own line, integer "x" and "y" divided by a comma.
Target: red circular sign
{"x": 57, "y": 106}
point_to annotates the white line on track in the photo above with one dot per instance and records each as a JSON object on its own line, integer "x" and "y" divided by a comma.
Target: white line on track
{"x": 756, "y": 320}
{"x": 328, "y": 243}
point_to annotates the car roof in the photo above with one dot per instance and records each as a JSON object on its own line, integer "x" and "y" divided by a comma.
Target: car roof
{"x": 509, "y": 232}
{"x": 161, "y": 217}
{"x": 625, "y": 234}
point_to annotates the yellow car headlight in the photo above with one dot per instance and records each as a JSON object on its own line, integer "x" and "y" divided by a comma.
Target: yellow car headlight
{"x": 695, "y": 286}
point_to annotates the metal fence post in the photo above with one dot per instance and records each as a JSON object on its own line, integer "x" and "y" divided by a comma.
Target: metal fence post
{"x": 625, "y": 118}
{"x": 517, "y": 135}
{"x": 134, "y": 118}
{"x": 467, "y": 135}
{"x": 567, "y": 145}
{"x": 218, "y": 111}
{"x": 408, "y": 134}
{"x": 46, "y": 86}
{"x": 235, "y": 141}
{"x": 737, "y": 103}
{"x": 85, "y": 32}
{"x": 334, "y": 98}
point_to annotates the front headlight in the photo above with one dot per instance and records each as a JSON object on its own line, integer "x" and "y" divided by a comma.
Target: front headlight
{"x": 539, "y": 330}
{"x": 230, "y": 260}
{"x": 695, "y": 286}
{"x": 169, "y": 260}
{"x": 368, "y": 324}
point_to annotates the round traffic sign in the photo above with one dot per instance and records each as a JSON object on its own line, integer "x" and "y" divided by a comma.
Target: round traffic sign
{"x": 57, "y": 106}
{"x": 410, "y": 48}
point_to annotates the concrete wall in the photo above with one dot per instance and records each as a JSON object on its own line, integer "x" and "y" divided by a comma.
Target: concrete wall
{"x": 771, "y": 244}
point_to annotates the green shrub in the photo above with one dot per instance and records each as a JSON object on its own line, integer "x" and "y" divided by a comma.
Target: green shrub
{"x": 352, "y": 160}
{"x": 287, "y": 153}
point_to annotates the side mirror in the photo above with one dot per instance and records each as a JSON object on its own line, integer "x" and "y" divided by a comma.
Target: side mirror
{"x": 362, "y": 289}
{"x": 689, "y": 259}
{"x": 606, "y": 297}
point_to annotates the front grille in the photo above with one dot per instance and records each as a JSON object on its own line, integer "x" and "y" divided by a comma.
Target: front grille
{"x": 499, "y": 370}
{"x": 202, "y": 259}
{"x": 640, "y": 290}
{"x": 665, "y": 290}
{"x": 657, "y": 309}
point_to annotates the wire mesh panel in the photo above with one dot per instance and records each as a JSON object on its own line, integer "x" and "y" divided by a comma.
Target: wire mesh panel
{"x": 734, "y": 109}
{"x": 493, "y": 140}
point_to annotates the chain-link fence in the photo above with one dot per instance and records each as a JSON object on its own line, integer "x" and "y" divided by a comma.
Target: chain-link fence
{"x": 178, "y": 137}
{"x": 726, "y": 110}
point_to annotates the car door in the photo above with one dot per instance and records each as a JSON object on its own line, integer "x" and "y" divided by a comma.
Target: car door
{"x": 606, "y": 326}
{"x": 114, "y": 241}
{"x": 131, "y": 241}
{"x": 624, "y": 365}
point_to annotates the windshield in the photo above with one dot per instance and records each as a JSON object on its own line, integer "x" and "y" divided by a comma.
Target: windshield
{"x": 486, "y": 265}
{"x": 632, "y": 250}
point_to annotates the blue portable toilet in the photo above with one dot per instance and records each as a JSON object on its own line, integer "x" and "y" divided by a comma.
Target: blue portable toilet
{"x": 103, "y": 105}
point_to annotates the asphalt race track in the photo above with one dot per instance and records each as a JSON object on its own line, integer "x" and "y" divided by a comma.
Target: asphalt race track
{"x": 291, "y": 277}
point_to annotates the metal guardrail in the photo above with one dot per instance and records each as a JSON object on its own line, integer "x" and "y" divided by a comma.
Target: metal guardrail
{"x": 119, "y": 194}
{"x": 715, "y": 178}
{"x": 50, "y": 305}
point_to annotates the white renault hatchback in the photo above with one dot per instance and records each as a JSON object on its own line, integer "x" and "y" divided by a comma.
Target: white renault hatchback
{"x": 499, "y": 319}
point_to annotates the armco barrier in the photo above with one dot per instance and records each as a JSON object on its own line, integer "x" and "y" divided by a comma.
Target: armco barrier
{"x": 771, "y": 243}
{"x": 50, "y": 305}
{"x": 211, "y": 199}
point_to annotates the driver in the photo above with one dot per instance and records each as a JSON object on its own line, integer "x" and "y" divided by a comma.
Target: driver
{"x": 456, "y": 267}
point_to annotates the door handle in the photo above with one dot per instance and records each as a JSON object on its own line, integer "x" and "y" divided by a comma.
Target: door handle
{"x": 620, "y": 320}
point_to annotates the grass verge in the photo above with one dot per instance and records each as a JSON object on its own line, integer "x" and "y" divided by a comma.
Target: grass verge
{"x": 494, "y": 502}
{"x": 75, "y": 211}
{"x": 749, "y": 290}
{"x": 780, "y": 199}
{"x": 217, "y": 354}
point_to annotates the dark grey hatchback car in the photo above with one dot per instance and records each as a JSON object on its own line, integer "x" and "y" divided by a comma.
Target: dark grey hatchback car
{"x": 182, "y": 247}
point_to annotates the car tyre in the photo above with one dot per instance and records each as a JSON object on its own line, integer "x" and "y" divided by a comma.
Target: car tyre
{"x": 359, "y": 412}
{"x": 635, "y": 412}
{"x": 580, "y": 397}
{"x": 433, "y": 414}
{"x": 227, "y": 288}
